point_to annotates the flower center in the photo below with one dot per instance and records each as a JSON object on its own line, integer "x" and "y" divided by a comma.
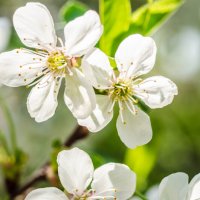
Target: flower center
{"x": 121, "y": 90}
{"x": 57, "y": 62}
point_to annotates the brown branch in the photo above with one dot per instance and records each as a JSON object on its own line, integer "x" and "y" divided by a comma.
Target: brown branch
{"x": 79, "y": 133}
{"x": 39, "y": 176}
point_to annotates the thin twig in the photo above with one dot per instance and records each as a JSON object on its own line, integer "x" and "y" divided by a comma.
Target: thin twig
{"x": 140, "y": 195}
{"x": 39, "y": 176}
{"x": 79, "y": 133}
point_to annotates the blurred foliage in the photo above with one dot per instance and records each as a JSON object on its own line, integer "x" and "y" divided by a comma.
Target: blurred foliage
{"x": 151, "y": 16}
{"x": 141, "y": 160}
{"x": 12, "y": 164}
{"x": 12, "y": 158}
{"x": 56, "y": 148}
{"x": 72, "y": 9}
{"x": 97, "y": 159}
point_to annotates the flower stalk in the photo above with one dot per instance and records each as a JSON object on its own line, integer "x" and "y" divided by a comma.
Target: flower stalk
{"x": 140, "y": 195}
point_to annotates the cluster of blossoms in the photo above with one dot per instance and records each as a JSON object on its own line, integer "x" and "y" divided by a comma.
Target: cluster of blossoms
{"x": 76, "y": 173}
{"x": 92, "y": 89}
{"x": 110, "y": 181}
{"x": 85, "y": 70}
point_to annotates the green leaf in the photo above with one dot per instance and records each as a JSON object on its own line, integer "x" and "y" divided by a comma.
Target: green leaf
{"x": 149, "y": 17}
{"x": 141, "y": 161}
{"x": 115, "y": 17}
{"x": 72, "y": 9}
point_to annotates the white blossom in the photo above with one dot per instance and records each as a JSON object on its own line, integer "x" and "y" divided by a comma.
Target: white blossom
{"x": 135, "y": 57}
{"x": 177, "y": 187}
{"x": 76, "y": 173}
{"x": 46, "y": 66}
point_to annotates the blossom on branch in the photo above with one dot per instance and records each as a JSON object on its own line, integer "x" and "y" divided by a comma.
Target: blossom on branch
{"x": 76, "y": 173}
{"x": 46, "y": 66}
{"x": 135, "y": 57}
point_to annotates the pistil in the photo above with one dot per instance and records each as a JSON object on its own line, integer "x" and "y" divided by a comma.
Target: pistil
{"x": 57, "y": 62}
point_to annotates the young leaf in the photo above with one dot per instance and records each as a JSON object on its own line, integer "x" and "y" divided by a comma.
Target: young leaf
{"x": 72, "y": 9}
{"x": 115, "y": 17}
{"x": 148, "y": 18}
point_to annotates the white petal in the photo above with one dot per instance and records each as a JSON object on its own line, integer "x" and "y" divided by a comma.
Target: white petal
{"x": 136, "y": 55}
{"x": 75, "y": 170}
{"x": 50, "y": 193}
{"x": 34, "y": 25}
{"x": 174, "y": 187}
{"x": 97, "y": 69}
{"x": 194, "y": 188}
{"x": 101, "y": 115}
{"x": 42, "y": 100}
{"x": 82, "y": 33}
{"x": 18, "y": 67}
{"x": 156, "y": 91}
{"x": 79, "y": 95}
{"x": 5, "y": 32}
{"x": 136, "y": 129}
{"x": 115, "y": 180}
